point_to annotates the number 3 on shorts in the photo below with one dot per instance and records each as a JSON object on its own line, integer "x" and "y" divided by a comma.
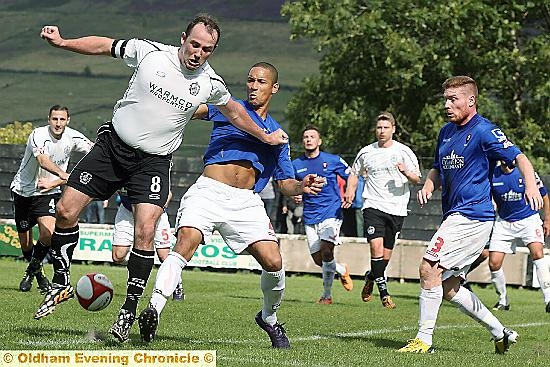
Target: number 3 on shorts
{"x": 437, "y": 245}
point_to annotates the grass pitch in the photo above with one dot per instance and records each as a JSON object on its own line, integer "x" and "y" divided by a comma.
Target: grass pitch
{"x": 219, "y": 310}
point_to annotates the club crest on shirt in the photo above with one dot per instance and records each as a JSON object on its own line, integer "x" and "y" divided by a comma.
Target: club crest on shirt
{"x": 468, "y": 140}
{"x": 194, "y": 88}
{"x": 325, "y": 166}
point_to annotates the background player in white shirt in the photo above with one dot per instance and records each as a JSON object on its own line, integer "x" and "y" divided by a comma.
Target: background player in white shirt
{"x": 35, "y": 188}
{"x": 134, "y": 150}
{"x": 390, "y": 167}
{"x": 468, "y": 148}
{"x": 323, "y": 211}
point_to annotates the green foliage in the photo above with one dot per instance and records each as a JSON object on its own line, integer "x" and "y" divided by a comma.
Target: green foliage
{"x": 380, "y": 55}
{"x": 15, "y": 132}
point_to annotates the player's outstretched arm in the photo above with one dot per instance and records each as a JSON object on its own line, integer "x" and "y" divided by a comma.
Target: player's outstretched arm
{"x": 237, "y": 115}
{"x": 432, "y": 182}
{"x": 532, "y": 193}
{"x": 90, "y": 45}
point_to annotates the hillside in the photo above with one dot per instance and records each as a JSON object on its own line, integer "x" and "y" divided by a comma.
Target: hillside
{"x": 34, "y": 76}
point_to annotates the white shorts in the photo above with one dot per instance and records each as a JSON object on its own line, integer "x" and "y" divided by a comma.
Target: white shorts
{"x": 123, "y": 234}
{"x": 457, "y": 243}
{"x": 528, "y": 230}
{"x": 237, "y": 214}
{"x": 328, "y": 230}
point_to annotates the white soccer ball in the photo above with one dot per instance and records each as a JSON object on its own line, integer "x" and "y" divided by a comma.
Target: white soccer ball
{"x": 94, "y": 291}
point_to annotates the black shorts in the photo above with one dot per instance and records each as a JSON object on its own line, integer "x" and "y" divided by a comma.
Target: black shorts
{"x": 112, "y": 164}
{"x": 27, "y": 210}
{"x": 379, "y": 224}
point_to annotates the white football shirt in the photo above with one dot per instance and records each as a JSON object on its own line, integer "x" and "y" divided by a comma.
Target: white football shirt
{"x": 41, "y": 141}
{"x": 386, "y": 189}
{"x": 162, "y": 95}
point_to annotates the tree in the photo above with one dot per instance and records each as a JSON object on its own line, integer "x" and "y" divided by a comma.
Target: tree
{"x": 394, "y": 55}
{"x": 15, "y": 133}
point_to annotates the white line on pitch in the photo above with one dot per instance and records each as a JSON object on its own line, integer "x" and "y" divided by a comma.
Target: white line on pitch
{"x": 73, "y": 341}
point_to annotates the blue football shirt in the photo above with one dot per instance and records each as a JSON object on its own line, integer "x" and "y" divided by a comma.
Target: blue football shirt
{"x": 465, "y": 157}
{"x": 508, "y": 191}
{"x": 328, "y": 203}
{"x": 229, "y": 143}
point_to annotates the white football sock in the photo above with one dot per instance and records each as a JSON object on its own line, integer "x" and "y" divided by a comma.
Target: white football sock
{"x": 468, "y": 303}
{"x": 499, "y": 281}
{"x": 168, "y": 277}
{"x": 543, "y": 274}
{"x": 429, "y": 302}
{"x": 329, "y": 268}
{"x": 273, "y": 288}
{"x": 340, "y": 269}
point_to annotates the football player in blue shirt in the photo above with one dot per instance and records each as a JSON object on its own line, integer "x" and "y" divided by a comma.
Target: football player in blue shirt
{"x": 323, "y": 212}
{"x": 225, "y": 198}
{"x": 516, "y": 220}
{"x": 468, "y": 148}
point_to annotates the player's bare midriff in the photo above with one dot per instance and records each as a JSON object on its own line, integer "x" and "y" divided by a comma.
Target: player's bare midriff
{"x": 239, "y": 174}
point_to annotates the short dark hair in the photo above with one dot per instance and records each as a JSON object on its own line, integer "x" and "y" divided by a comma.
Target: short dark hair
{"x": 209, "y": 22}
{"x": 386, "y": 116}
{"x": 272, "y": 69}
{"x": 459, "y": 81}
{"x": 311, "y": 127}
{"x": 57, "y": 107}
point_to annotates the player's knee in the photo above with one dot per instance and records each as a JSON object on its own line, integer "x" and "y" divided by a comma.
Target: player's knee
{"x": 117, "y": 259}
{"x": 119, "y": 253}
{"x": 428, "y": 270}
{"x": 144, "y": 239}
{"x": 317, "y": 259}
{"x": 273, "y": 264}
{"x": 494, "y": 265}
{"x": 65, "y": 214}
{"x": 537, "y": 250}
{"x": 327, "y": 254}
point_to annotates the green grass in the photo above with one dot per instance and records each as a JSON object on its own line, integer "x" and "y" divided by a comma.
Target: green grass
{"x": 219, "y": 314}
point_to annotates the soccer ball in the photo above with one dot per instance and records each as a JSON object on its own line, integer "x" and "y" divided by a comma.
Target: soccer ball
{"x": 94, "y": 291}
